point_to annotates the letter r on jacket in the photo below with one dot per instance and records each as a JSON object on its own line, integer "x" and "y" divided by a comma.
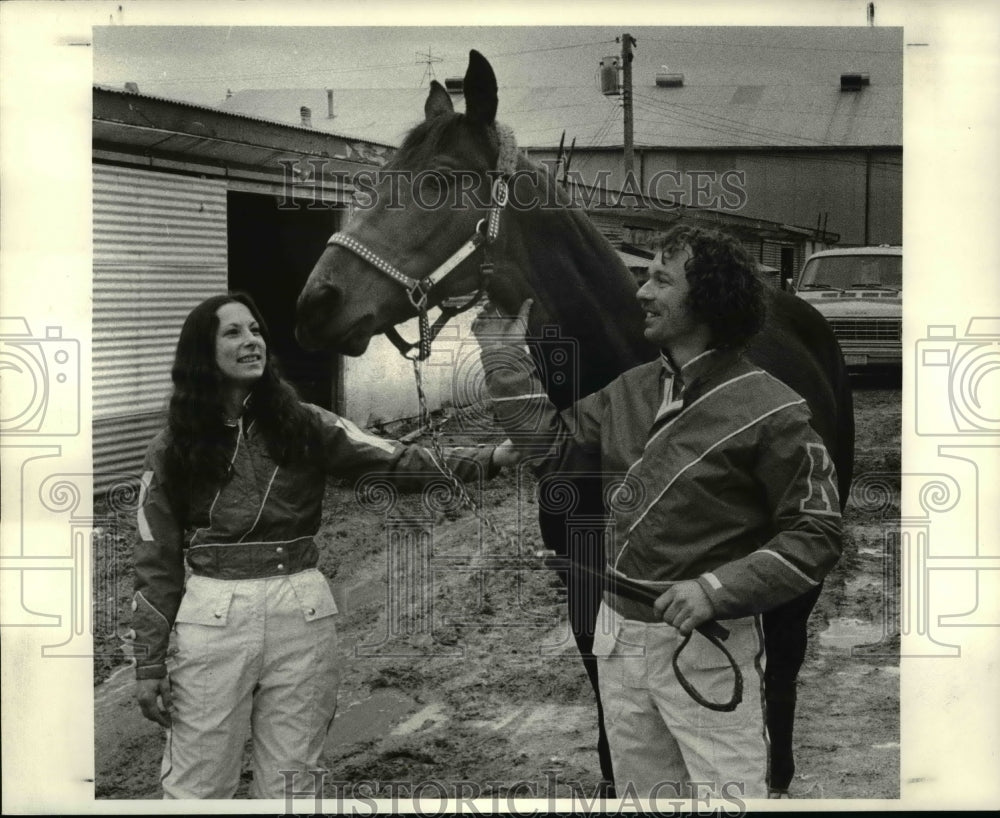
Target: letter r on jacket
{"x": 823, "y": 497}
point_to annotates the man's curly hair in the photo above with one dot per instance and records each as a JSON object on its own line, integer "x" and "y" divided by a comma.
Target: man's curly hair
{"x": 725, "y": 291}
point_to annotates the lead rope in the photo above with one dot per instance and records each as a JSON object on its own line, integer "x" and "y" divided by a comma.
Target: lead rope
{"x": 440, "y": 461}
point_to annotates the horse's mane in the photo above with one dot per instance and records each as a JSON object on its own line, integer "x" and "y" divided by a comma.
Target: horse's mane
{"x": 580, "y": 282}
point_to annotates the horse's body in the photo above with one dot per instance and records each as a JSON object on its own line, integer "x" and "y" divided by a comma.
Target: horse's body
{"x": 556, "y": 256}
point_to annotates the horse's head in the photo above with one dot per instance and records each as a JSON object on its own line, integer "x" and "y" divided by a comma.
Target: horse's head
{"x": 425, "y": 204}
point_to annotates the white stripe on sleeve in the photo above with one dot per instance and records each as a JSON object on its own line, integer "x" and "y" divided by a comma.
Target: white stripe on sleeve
{"x": 359, "y": 436}
{"x": 144, "y": 530}
{"x": 787, "y": 564}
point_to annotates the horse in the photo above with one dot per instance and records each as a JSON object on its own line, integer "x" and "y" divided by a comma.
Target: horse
{"x": 536, "y": 244}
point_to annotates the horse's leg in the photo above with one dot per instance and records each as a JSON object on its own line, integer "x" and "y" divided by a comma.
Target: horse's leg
{"x": 581, "y": 545}
{"x": 785, "y": 639}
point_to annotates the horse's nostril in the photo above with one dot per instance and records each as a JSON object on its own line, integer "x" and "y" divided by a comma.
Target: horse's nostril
{"x": 330, "y": 296}
{"x": 321, "y": 300}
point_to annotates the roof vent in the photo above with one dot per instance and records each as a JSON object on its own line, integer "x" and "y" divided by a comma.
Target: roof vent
{"x": 132, "y": 87}
{"x": 307, "y": 117}
{"x": 669, "y": 80}
{"x": 853, "y": 82}
{"x": 453, "y": 85}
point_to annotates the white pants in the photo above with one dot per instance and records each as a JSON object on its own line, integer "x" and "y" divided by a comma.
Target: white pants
{"x": 664, "y": 745}
{"x": 253, "y": 657}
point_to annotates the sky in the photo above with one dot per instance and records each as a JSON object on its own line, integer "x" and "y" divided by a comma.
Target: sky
{"x": 200, "y": 64}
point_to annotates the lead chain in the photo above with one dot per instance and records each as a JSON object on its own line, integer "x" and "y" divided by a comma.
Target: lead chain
{"x": 440, "y": 461}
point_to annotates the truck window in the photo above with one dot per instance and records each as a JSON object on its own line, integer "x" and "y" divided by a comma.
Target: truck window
{"x": 846, "y": 272}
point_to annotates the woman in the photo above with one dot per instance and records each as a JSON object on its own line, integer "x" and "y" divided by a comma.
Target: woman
{"x": 235, "y": 482}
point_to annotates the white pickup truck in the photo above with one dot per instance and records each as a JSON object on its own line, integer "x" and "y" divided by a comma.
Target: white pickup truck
{"x": 860, "y": 292}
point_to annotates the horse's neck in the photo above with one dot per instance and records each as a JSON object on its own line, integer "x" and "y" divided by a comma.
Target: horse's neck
{"x": 584, "y": 289}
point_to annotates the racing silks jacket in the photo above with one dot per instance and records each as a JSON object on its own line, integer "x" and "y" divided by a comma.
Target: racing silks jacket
{"x": 261, "y": 521}
{"x": 713, "y": 474}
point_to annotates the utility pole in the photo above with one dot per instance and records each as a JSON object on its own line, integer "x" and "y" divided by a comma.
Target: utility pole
{"x": 627, "y": 41}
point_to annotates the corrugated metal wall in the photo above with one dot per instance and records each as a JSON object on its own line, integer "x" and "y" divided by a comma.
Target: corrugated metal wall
{"x": 159, "y": 249}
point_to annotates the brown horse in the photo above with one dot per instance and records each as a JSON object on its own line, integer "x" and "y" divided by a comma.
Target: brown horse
{"x": 550, "y": 251}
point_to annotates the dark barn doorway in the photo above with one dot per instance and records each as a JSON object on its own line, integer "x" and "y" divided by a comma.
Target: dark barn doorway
{"x": 271, "y": 252}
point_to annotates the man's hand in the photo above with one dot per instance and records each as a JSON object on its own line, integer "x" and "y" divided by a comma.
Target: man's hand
{"x": 505, "y": 454}
{"x": 685, "y": 606}
{"x": 147, "y": 691}
{"x": 493, "y": 328}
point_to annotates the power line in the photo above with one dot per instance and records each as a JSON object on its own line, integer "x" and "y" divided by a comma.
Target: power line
{"x": 362, "y": 68}
{"x": 729, "y": 128}
{"x": 703, "y": 118}
{"x": 737, "y": 44}
{"x": 656, "y": 141}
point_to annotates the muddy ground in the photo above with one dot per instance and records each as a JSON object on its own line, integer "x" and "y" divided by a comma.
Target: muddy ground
{"x": 467, "y": 672}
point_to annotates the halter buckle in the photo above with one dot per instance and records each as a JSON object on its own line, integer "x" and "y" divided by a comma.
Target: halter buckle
{"x": 501, "y": 192}
{"x": 421, "y": 289}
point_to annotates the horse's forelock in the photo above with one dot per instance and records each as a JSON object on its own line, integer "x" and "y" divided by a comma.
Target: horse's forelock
{"x": 430, "y": 137}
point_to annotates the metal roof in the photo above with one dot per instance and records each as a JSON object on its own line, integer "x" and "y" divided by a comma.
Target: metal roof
{"x": 691, "y": 117}
{"x": 150, "y": 126}
{"x": 284, "y": 122}
{"x": 879, "y": 250}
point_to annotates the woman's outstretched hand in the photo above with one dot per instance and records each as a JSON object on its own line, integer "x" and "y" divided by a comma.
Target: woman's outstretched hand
{"x": 506, "y": 455}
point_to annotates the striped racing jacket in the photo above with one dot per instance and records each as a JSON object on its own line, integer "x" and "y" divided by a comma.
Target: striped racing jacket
{"x": 713, "y": 474}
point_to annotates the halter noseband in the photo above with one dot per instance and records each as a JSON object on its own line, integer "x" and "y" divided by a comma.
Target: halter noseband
{"x": 418, "y": 289}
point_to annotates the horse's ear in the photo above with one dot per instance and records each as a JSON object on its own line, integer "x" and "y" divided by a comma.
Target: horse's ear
{"x": 480, "y": 90}
{"x": 438, "y": 101}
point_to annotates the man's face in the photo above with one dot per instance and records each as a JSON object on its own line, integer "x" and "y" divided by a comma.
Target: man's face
{"x": 664, "y": 297}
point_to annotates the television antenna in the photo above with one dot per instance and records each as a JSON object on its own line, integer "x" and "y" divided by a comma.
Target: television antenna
{"x": 428, "y": 59}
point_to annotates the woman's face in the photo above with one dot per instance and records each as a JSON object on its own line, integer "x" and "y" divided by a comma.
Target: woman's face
{"x": 240, "y": 351}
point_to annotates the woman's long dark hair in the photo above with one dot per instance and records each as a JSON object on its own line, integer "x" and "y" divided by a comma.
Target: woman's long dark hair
{"x": 201, "y": 444}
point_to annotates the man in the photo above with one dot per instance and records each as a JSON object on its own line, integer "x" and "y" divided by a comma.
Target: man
{"x": 728, "y": 508}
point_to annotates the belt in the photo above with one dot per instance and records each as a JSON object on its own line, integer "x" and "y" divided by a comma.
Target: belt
{"x": 253, "y": 560}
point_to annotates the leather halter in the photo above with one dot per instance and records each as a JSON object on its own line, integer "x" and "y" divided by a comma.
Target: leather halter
{"x": 418, "y": 289}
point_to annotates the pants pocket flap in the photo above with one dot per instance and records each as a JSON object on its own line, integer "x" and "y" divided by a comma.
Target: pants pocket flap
{"x": 314, "y": 594}
{"x": 206, "y": 601}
